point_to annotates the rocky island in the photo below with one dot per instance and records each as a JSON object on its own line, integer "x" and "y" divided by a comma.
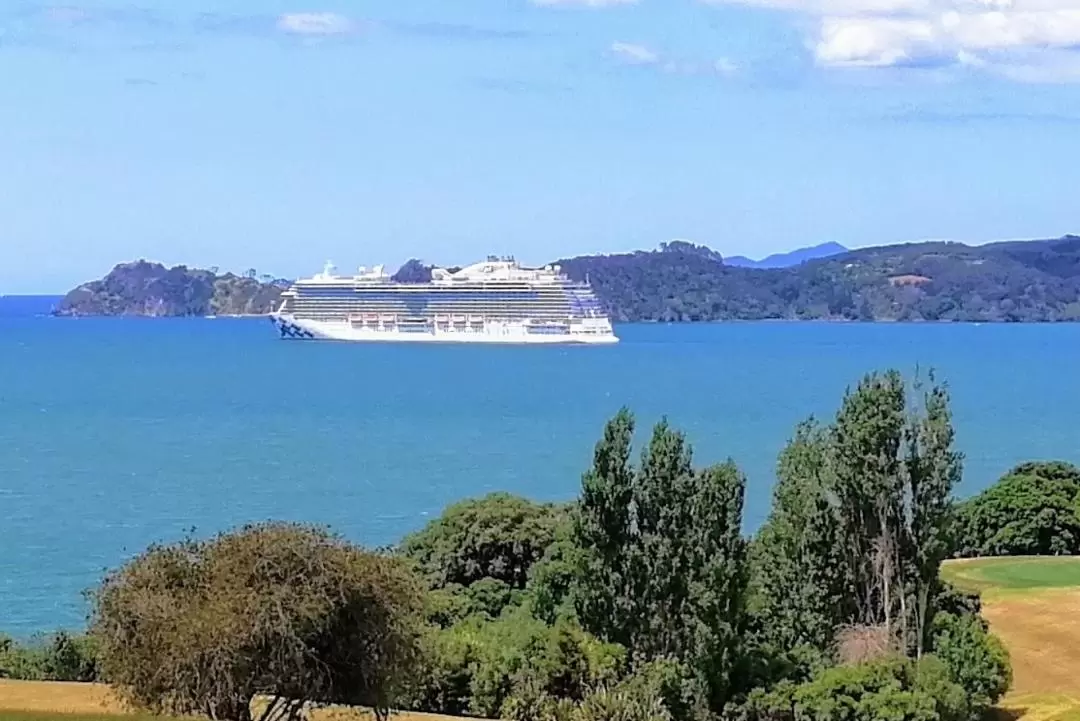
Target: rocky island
{"x": 143, "y": 288}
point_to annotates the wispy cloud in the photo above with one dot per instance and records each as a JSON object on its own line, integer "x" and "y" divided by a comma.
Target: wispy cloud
{"x": 635, "y": 54}
{"x": 1022, "y": 40}
{"x": 87, "y": 27}
{"x": 318, "y": 24}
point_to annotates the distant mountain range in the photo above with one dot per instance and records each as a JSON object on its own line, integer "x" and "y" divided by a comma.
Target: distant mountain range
{"x": 787, "y": 260}
{"x": 681, "y": 282}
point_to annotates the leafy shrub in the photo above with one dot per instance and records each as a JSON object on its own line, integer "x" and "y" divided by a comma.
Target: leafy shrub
{"x": 59, "y": 657}
{"x": 476, "y": 665}
{"x": 278, "y": 610}
{"x": 975, "y": 658}
{"x": 637, "y": 698}
{"x": 884, "y": 690}
{"x": 1031, "y": 511}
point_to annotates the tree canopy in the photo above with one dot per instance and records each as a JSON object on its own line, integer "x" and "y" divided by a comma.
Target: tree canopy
{"x": 862, "y": 519}
{"x": 499, "y": 536}
{"x": 661, "y": 558}
{"x": 284, "y": 611}
{"x": 1033, "y": 510}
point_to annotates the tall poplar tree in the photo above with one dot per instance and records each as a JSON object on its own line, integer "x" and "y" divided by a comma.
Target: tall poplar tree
{"x": 862, "y": 518}
{"x": 661, "y": 560}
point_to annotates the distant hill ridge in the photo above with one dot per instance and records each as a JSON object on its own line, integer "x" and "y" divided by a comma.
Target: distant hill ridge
{"x": 1010, "y": 281}
{"x": 787, "y": 260}
{"x": 1013, "y": 281}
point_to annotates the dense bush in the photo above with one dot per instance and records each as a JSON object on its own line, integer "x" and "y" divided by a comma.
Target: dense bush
{"x": 476, "y": 665}
{"x": 1034, "y": 510}
{"x": 639, "y": 697}
{"x": 975, "y": 658}
{"x": 60, "y": 657}
{"x": 281, "y": 611}
{"x": 892, "y": 689}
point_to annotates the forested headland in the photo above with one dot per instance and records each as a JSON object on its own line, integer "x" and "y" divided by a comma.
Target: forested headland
{"x": 642, "y": 599}
{"x": 1025, "y": 281}
{"x": 1000, "y": 282}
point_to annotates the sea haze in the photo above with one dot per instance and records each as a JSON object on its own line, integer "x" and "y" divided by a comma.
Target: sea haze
{"x": 116, "y": 433}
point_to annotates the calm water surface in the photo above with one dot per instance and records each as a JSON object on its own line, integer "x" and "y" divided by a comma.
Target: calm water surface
{"x": 118, "y": 433}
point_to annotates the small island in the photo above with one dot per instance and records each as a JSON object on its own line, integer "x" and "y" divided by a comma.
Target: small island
{"x": 150, "y": 289}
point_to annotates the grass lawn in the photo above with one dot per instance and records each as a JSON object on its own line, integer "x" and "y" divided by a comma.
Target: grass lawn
{"x": 1003, "y": 576}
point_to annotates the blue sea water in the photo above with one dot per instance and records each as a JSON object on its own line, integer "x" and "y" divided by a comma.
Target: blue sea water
{"x": 115, "y": 433}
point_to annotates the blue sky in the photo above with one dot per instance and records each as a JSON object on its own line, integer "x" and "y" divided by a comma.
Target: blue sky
{"x": 278, "y": 134}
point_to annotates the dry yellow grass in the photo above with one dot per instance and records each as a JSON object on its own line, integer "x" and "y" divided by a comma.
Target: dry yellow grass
{"x": 1042, "y": 632}
{"x": 88, "y": 699}
{"x": 1033, "y": 605}
{"x": 51, "y": 697}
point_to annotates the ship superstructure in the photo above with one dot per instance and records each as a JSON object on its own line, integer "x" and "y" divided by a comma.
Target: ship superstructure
{"x": 494, "y": 301}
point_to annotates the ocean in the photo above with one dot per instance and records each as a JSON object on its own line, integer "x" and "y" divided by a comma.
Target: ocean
{"x": 116, "y": 433}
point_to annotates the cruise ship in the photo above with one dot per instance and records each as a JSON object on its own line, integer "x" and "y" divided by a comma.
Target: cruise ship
{"x": 495, "y": 301}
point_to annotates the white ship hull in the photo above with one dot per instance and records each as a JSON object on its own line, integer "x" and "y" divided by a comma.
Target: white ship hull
{"x": 587, "y": 332}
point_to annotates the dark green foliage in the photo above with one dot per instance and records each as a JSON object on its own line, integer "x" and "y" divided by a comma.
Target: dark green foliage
{"x": 646, "y": 695}
{"x": 143, "y": 288}
{"x": 499, "y": 536}
{"x": 1033, "y": 510}
{"x": 661, "y": 561}
{"x": 884, "y": 690}
{"x": 276, "y": 610}
{"x": 975, "y": 658}
{"x": 59, "y": 657}
{"x": 862, "y": 520}
{"x": 552, "y": 579}
{"x": 1030, "y": 281}
{"x": 476, "y": 665}
{"x": 799, "y": 587}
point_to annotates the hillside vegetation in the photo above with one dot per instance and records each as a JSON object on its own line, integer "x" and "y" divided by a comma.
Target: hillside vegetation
{"x": 681, "y": 282}
{"x": 150, "y": 289}
{"x": 1016, "y": 281}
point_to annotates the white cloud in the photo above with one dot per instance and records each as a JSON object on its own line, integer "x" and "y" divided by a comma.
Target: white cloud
{"x": 641, "y": 55}
{"x": 583, "y": 3}
{"x": 635, "y": 54}
{"x": 315, "y": 24}
{"x": 982, "y": 34}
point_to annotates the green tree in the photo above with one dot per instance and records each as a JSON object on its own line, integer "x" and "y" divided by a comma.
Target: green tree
{"x": 862, "y": 520}
{"x": 603, "y": 533}
{"x": 1032, "y": 510}
{"x": 499, "y": 536}
{"x": 287, "y": 612}
{"x": 800, "y": 585}
{"x": 661, "y": 560}
{"x": 934, "y": 470}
